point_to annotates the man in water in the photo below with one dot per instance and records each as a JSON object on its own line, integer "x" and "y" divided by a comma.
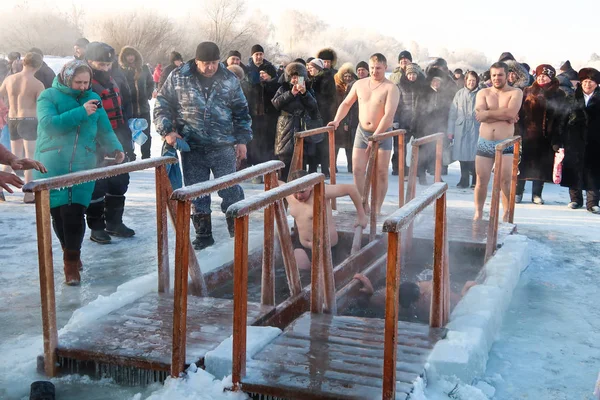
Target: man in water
{"x": 414, "y": 297}
{"x": 497, "y": 109}
{"x": 301, "y": 208}
{"x": 22, "y": 90}
{"x": 377, "y": 103}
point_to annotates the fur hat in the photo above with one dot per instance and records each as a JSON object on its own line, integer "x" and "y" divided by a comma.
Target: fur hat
{"x": 328, "y": 54}
{"x": 257, "y": 48}
{"x": 98, "y": 51}
{"x": 412, "y": 68}
{"x": 295, "y": 68}
{"x": 545, "y": 69}
{"x": 506, "y": 56}
{"x": 237, "y": 70}
{"x": 317, "y": 63}
{"x": 589, "y": 73}
{"x": 127, "y": 51}
{"x": 405, "y": 54}
{"x": 362, "y": 64}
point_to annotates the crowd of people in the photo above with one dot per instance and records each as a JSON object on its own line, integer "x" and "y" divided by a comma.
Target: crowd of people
{"x": 222, "y": 114}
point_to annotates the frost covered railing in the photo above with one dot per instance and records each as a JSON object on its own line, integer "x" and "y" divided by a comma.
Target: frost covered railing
{"x": 371, "y": 182}
{"x": 492, "y": 233}
{"x": 321, "y": 269}
{"x": 411, "y": 191}
{"x": 440, "y": 300}
{"x": 41, "y": 188}
{"x": 298, "y": 156}
{"x": 183, "y": 197}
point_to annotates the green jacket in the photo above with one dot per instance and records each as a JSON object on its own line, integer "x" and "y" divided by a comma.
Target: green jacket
{"x": 67, "y": 139}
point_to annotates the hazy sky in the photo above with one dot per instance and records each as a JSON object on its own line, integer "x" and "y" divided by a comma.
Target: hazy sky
{"x": 536, "y": 32}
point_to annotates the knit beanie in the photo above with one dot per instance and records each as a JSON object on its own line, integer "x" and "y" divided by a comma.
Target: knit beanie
{"x": 589, "y": 73}
{"x": 207, "y": 51}
{"x": 257, "y": 48}
{"x": 98, "y": 51}
{"x": 412, "y": 68}
{"x": 405, "y": 54}
{"x": 234, "y": 53}
{"x": 545, "y": 69}
{"x": 362, "y": 64}
{"x": 317, "y": 63}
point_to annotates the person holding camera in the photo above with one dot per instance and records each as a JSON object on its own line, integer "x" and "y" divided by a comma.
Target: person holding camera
{"x": 105, "y": 212}
{"x": 70, "y": 124}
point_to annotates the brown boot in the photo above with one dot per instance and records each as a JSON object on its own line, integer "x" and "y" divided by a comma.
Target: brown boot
{"x": 72, "y": 262}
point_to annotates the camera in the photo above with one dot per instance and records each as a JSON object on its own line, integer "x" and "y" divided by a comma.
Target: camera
{"x": 98, "y": 104}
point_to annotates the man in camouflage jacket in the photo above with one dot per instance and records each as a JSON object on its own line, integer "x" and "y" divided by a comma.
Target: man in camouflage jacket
{"x": 202, "y": 103}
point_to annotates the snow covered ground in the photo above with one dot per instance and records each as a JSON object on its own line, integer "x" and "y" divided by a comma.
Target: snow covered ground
{"x": 548, "y": 347}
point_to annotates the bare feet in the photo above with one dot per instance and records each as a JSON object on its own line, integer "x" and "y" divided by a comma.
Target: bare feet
{"x": 505, "y": 217}
{"x": 477, "y": 216}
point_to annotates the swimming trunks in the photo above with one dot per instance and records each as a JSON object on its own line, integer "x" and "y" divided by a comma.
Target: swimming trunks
{"x": 297, "y": 245}
{"x": 23, "y": 128}
{"x": 361, "y": 140}
{"x": 487, "y": 148}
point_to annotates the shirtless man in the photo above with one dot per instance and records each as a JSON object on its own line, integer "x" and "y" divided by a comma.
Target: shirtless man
{"x": 301, "y": 208}
{"x": 497, "y": 109}
{"x": 377, "y": 102}
{"x": 414, "y": 297}
{"x": 22, "y": 90}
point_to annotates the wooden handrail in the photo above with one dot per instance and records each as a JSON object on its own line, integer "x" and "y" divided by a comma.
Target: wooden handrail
{"x": 440, "y": 307}
{"x": 492, "y": 233}
{"x": 208, "y": 187}
{"x": 94, "y": 174}
{"x": 298, "y": 156}
{"x": 183, "y": 197}
{"x": 428, "y": 139}
{"x": 322, "y": 270}
{"x": 41, "y": 188}
{"x": 371, "y": 178}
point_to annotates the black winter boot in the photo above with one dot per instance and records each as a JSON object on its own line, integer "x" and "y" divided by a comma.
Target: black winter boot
{"x": 114, "y": 207}
{"x": 95, "y": 221}
{"x": 231, "y": 226}
{"x": 464, "y": 176}
{"x": 203, "y": 227}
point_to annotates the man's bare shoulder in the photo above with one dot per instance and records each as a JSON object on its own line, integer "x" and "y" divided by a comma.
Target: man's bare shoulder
{"x": 361, "y": 83}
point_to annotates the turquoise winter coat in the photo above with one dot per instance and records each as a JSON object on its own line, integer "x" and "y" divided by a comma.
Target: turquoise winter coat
{"x": 67, "y": 139}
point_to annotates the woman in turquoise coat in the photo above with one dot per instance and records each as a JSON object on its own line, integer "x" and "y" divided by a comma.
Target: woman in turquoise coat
{"x": 70, "y": 125}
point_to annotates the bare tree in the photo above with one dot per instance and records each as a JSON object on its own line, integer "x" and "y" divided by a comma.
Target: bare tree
{"x": 49, "y": 30}
{"x": 151, "y": 33}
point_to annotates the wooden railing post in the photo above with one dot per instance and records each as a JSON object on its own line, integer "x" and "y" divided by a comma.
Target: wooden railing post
{"x": 327, "y": 263}
{"x": 401, "y": 167}
{"x": 332, "y": 163}
{"x": 412, "y": 173}
{"x": 390, "y": 344}
{"x": 44, "y": 241}
{"x": 287, "y": 250}
{"x": 182, "y": 259}
{"x": 267, "y": 295}
{"x": 240, "y": 300}
{"x": 513, "y": 182}
{"x": 439, "y": 153}
{"x": 438, "y": 299}
{"x": 316, "y": 301}
{"x": 492, "y": 232}
{"x": 162, "y": 237}
{"x": 374, "y": 194}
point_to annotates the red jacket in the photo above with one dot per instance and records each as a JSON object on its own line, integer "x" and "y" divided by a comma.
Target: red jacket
{"x": 157, "y": 72}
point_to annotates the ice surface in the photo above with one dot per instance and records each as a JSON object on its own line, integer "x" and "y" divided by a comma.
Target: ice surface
{"x": 197, "y": 384}
{"x": 218, "y": 361}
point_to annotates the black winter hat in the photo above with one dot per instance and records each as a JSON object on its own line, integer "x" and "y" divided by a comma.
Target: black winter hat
{"x": 234, "y": 53}
{"x": 566, "y": 66}
{"x": 309, "y": 59}
{"x": 435, "y": 73}
{"x": 301, "y": 61}
{"x": 506, "y": 56}
{"x": 589, "y": 73}
{"x": 571, "y": 75}
{"x": 208, "y": 51}
{"x": 405, "y": 54}
{"x": 257, "y": 48}
{"x": 98, "y": 51}
{"x": 175, "y": 56}
{"x": 362, "y": 64}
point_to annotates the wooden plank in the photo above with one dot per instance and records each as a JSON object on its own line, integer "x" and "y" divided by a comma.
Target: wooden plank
{"x": 267, "y": 293}
{"x": 327, "y": 264}
{"x": 316, "y": 301}
{"x": 401, "y": 167}
{"x": 287, "y": 249}
{"x": 513, "y": 182}
{"x": 162, "y": 236}
{"x": 439, "y": 152}
{"x": 182, "y": 259}
{"x": 332, "y": 164}
{"x": 391, "y": 316}
{"x": 46, "y": 270}
{"x": 240, "y": 299}
{"x": 492, "y": 231}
